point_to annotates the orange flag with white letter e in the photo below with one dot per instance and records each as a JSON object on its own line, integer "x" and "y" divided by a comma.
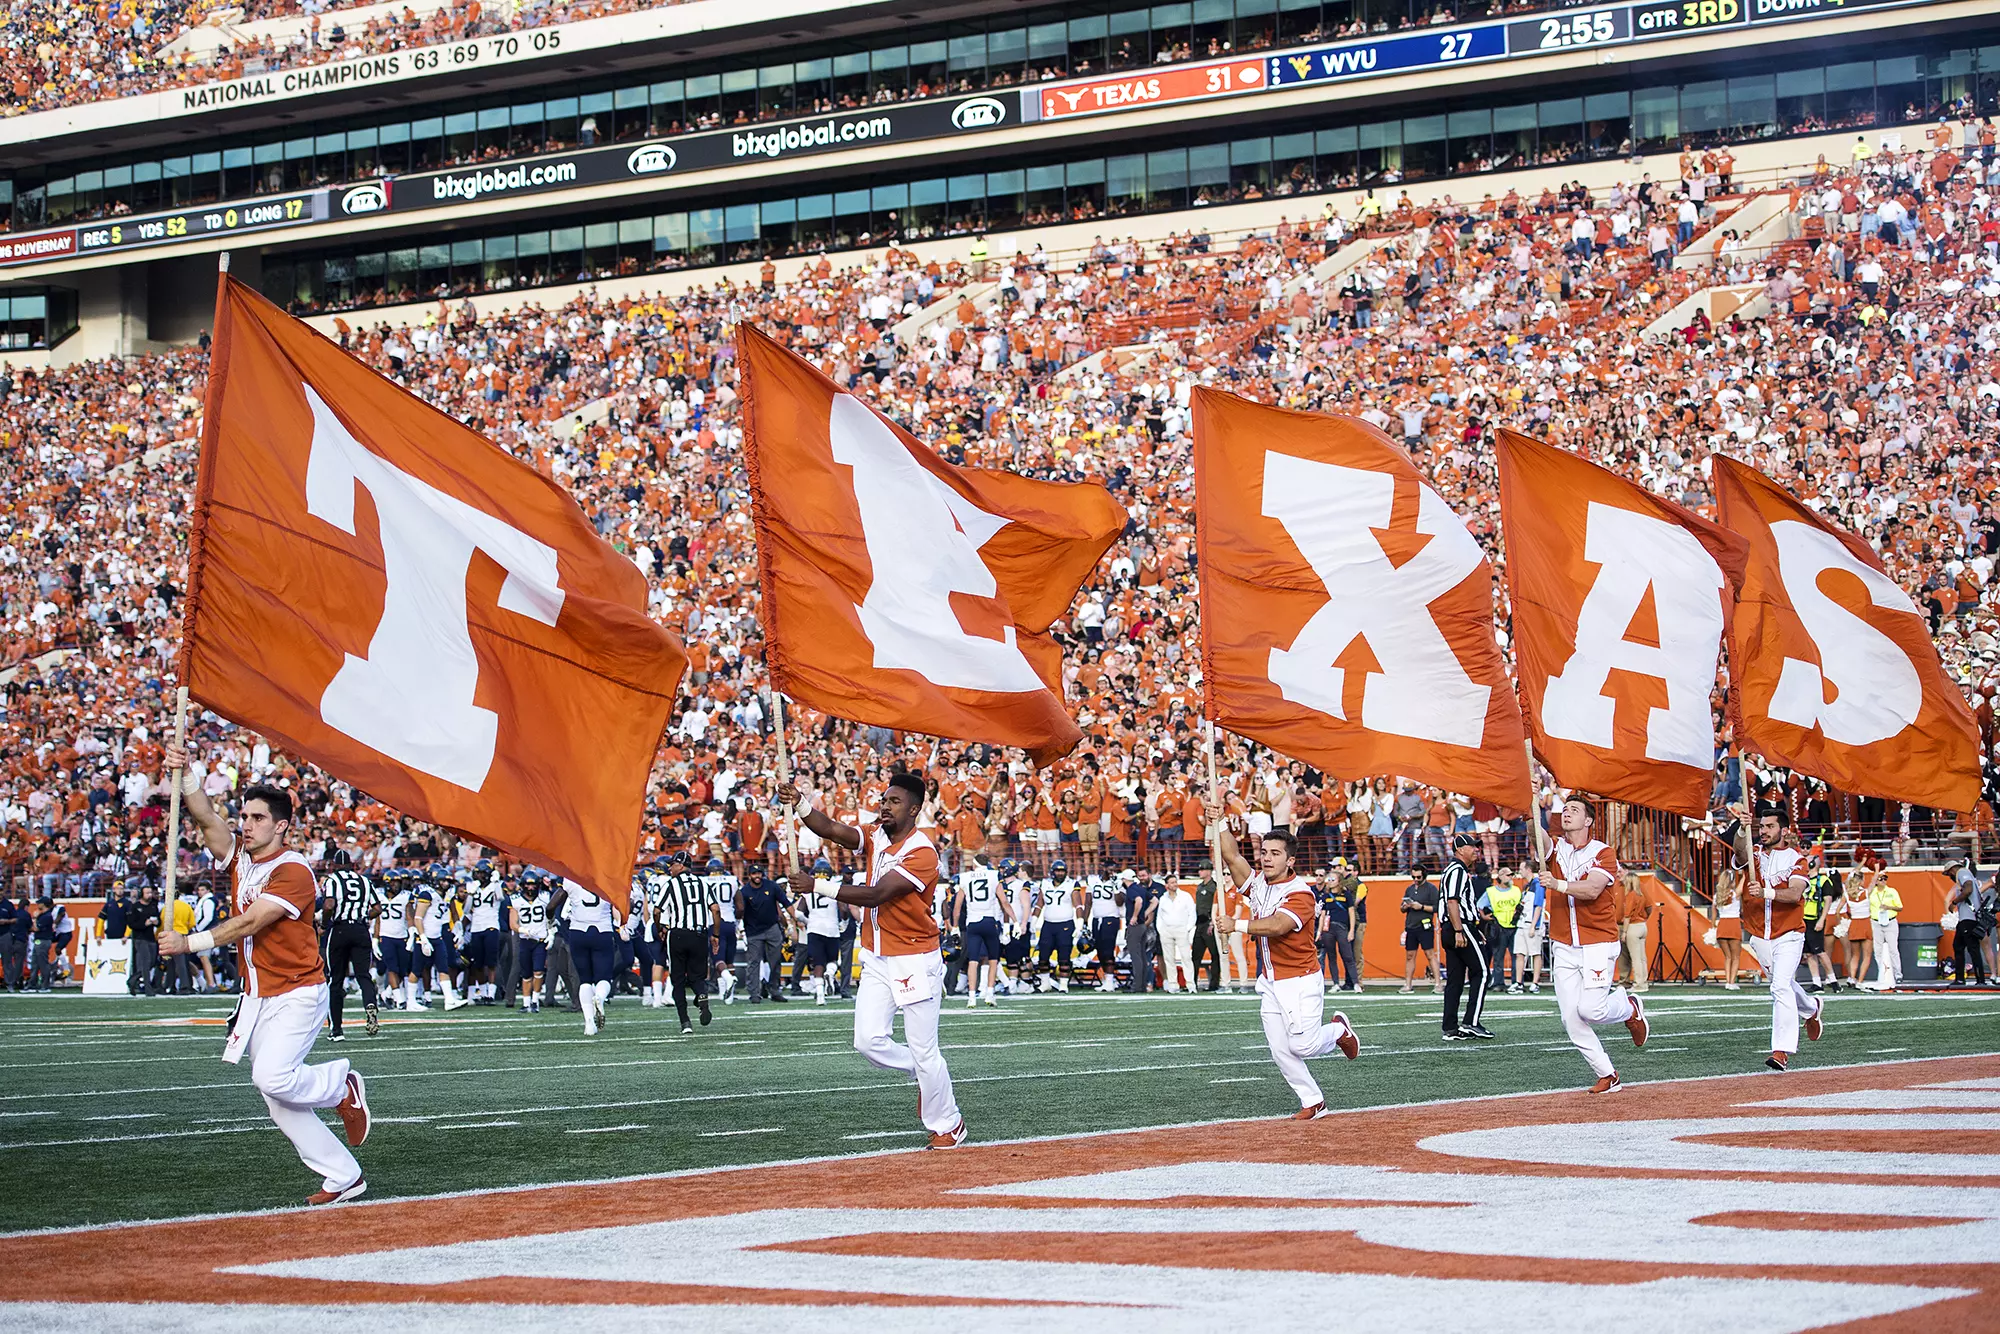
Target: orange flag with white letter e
{"x": 1346, "y": 612}
{"x": 1618, "y": 600}
{"x": 385, "y": 593}
{"x": 1833, "y": 668}
{"x": 899, "y": 590}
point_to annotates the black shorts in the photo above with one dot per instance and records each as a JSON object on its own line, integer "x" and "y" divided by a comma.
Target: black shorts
{"x": 1058, "y": 941}
{"x": 533, "y": 956}
{"x": 591, "y": 952}
{"x": 1015, "y": 950}
{"x": 396, "y": 956}
{"x": 644, "y": 952}
{"x": 982, "y": 940}
{"x": 1816, "y": 940}
{"x": 1420, "y": 939}
{"x": 822, "y": 950}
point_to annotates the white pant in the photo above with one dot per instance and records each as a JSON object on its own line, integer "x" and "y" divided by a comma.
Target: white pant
{"x": 1177, "y": 951}
{"x": 285, "y": 1029}
{"x": 914, "y": 984}
{"x": 1888, "y": 958}
{"x": 1291, "y": 1011}
{"x": 1780, "y": 961}
{"x": 1587, "y": 995}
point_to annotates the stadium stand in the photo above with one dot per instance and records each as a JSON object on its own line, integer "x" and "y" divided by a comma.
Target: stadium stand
{"x": 1831, "y": 344}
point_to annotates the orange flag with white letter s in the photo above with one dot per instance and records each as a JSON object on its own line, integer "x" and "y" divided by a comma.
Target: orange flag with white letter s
{"x": 1347, "y": 613}
{"x": 386, "y": 594}
{"x": 1833, "y": 669}
{"x": 1619, "y": 598}
{"x": 899, "y": 590}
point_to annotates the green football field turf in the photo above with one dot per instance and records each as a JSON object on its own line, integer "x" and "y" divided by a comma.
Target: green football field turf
{"x": 115, "y": 1110}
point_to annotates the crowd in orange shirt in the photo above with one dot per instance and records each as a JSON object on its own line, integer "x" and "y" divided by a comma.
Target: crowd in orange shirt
{"x": 1874, "y": 394}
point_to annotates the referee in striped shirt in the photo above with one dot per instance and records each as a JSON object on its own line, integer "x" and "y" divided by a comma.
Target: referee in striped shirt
{"x": 687, "y": 911}
{"x": 1462, "y": 944}
{"x": 348, "y": 901}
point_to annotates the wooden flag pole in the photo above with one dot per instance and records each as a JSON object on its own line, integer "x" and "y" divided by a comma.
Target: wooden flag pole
{"x": 1537, "y": 816}
{"x": 786, "y": 835}
{"x": 173, "y": 854}
{"x": 1217, "y": 870}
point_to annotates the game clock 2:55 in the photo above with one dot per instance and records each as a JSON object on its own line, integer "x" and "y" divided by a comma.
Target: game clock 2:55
{"x": 1562, "y": 34}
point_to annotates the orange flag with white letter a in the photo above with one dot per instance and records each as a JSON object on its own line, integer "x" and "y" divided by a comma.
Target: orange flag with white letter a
{"x": 386, "y": 594}
{"x": 899, "y": 590}
{"x": 1618, "y": 599}
{"x": 1347, "y": 614}
{"x": 1833, "y": 669}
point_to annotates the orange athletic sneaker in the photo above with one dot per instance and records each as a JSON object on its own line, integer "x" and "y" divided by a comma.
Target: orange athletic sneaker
{"x": 336, "y": 1196}
{"x": 1637, "y": 1025}
{"x": 353, "y": 1111}
{"x": 1814, "y": 1026}
{"x": 1312, "y": 1113}
{"x": 1349, "y": 1044}
{"x": 948, "y": 1139}
{"x": 1611, "y": 1083}
{"x": 1776, "y": 1061}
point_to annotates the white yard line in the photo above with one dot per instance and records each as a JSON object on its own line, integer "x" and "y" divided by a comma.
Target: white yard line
{"x": 386, "y": 1201}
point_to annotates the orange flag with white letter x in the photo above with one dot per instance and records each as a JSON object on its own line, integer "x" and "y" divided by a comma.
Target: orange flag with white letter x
{"x": 898, "y": 589}
{"x": 1618, "y": 598}
{"x": 386, "y": 594}
{"x": 1834, "y": 671}
{"x": 1347, "y": 613}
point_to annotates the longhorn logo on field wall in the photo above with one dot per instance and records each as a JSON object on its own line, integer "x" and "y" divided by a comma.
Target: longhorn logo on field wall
{"x": 651, "y": 160}
{"x": 978, "y": 113}
{"x": 371, "y": 198}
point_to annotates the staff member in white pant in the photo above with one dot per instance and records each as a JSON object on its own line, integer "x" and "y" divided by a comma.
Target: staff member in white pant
{"x": 1175, "y": 920}
{"x": 284, "y": 1000}
{"x": 1583, "y": 942}
{"x": 1283, "y": 916}
{"x": 1885, "y": 907}
{"x": 901, "y": 965}
{"x": 1774, "y": 915}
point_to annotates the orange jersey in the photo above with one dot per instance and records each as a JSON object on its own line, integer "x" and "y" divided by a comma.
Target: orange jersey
{"x": 1768, "y": 917}
{"x": 1296, "y": 953}
{"x": 1582, "y": 921}
{"x": 284, "y": 956}
{"x": 904, "y": 924}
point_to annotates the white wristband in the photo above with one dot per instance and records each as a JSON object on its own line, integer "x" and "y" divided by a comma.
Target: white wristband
{"x": 201, "y": 940}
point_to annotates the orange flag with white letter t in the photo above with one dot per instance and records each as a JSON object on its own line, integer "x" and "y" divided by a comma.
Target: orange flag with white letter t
{"x": 899, "y": 590}
{"x": 1833, "y": 668}
{"x": 1347, "y": 613}
{"x": 386, "y": 594}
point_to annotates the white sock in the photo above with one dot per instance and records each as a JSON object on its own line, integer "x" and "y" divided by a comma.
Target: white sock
{"x": 409, "y": 993}
{"x": 603, "y": 993}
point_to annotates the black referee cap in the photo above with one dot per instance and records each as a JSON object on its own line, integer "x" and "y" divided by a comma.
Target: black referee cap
{"x": 1464, "y": 840}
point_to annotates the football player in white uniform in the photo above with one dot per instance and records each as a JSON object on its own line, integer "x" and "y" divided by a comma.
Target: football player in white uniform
{"x": 485, "y": 901}
{"x": 393, "y": 940}
{"x": 822, "y": 943}
{"x": 1057, "y": 899}
{"x": 725, "y": 888}
{"x": 529, "y": 914}
{"x": 591, "y": 928}
{"x": 1105, "y": 912}
{"x": 981, "y": 910}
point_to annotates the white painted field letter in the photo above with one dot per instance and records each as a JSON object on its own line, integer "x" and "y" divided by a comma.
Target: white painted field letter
{"x": 1636, "y": 552}
{"x": 1878, "y": 692}
{"x": 1422, "y": 690}
{"x": 923, "y": 541}
{"x": 411, "y": 697}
